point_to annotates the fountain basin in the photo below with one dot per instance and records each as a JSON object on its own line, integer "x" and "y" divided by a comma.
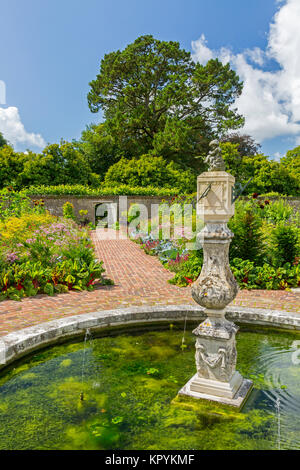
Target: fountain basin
{"x": 130, "y": 380}
{"x": 20, "y": 343}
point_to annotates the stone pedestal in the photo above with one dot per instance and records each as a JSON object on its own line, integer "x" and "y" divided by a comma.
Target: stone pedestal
{"x": 216, "y": 378}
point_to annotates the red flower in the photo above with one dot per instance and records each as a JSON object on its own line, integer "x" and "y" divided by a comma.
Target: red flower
{"x": 188, "y": 280}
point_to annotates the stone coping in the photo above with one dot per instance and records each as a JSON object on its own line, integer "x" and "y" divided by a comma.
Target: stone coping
{"x": 20, "y": 343}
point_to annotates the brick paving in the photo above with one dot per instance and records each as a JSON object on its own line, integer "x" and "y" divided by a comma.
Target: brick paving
{"x": 139, "y": 279}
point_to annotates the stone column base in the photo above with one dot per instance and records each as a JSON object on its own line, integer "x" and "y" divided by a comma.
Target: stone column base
{"x": 234, "y": 393}
{"x": 215, "y": 387}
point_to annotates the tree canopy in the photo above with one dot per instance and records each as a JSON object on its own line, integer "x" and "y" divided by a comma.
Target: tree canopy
{"x": 155, "y": 98}
{"x": 57, "y": 164}
{"x": 268, "y": 175}
{"x": 3, "y": 142}
{"x": 150, "y": 171}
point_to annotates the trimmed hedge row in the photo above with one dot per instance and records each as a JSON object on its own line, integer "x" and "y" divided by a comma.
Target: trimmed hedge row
{"x": 80, "y": 190}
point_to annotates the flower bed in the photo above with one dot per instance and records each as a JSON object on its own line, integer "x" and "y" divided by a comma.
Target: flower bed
{"x": 40, "y": 253}
{"x": 264, "y": 252}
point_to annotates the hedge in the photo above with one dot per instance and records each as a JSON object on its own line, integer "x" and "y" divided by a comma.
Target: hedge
{"x": 80, "y": 190}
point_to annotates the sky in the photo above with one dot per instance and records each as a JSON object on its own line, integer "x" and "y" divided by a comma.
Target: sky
{"x": 51, "y": 49}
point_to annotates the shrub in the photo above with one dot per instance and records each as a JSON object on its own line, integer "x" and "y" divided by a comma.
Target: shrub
{"x": 81, "y": 190}
{"x": 284, "y": 244}
{"x": 277, "y": 211}
{"x": 83, "y": 219}
{"x": 14, "y": 204}
{"x": 246, "y": 226}
{"x": 68, "y": 211}
{"x": 148, "y": 170}
{"x": 189, "y": 270}
{"x": 250, "y": 276}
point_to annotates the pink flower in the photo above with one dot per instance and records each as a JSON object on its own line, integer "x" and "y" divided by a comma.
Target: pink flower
{"x": 12, "y": 257}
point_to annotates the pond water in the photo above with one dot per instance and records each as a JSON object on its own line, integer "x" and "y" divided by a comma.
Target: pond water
{"x": 128, "y": 382}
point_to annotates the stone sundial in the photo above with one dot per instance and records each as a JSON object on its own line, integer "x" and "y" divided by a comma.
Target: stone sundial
{"x": 216, "y": 378}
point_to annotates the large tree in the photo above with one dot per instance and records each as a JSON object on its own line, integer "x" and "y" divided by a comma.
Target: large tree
{"x": 155, "y": 98}
{"x": 246, "y": 145}
{"x": 99, "y": 148}
{"x": 3, "y": 142}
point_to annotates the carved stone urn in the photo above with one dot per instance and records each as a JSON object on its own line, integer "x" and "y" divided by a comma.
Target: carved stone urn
{"x": 216, "y": 378}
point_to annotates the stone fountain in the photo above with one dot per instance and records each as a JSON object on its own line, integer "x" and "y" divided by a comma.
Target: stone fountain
{"x": 217, "y": 378}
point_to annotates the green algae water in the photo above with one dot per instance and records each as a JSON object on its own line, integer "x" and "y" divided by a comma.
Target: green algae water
{"x": 129, "y": 381}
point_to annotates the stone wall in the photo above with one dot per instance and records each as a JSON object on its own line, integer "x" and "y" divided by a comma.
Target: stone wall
{"x": 54, "y": 204}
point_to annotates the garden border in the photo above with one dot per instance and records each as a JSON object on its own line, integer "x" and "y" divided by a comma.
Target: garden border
{"x": 20, "y": 343}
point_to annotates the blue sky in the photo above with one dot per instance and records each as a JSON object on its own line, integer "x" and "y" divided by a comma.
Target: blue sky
{"x": 51, "y": 49}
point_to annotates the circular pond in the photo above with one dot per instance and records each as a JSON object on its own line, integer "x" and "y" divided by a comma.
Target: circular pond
{"x": 116, "y": 392}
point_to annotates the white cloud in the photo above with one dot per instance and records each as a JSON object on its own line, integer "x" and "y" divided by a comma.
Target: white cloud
{"x": 277, "y": 156}
{"x": 2, "y": 92}
{"x": 14, "y": 131}
{"x": 201, "y": 52}
{"x": 270, "y": 100}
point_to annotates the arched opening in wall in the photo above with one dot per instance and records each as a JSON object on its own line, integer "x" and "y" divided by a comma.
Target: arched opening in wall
{"x": 105, "y": 214}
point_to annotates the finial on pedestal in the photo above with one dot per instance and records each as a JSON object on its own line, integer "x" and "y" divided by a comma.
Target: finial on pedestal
{"x": 214, "y": 158}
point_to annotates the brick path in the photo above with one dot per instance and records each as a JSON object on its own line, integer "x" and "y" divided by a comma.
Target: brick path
{"x": 139, "y": 280}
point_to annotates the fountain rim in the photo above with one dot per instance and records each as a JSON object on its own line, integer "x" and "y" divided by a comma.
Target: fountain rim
{"x": 20, "y": 343}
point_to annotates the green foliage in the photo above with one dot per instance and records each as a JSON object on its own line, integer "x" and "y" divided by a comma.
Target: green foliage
{"x": 189, "y": 270}
{"x": 246, "y": 226}
{"x": 263, "y": 254}
{"x": 284, "y": 244}
{"x": 150, "y": 171}
{"x": 245, "y": 144}
{"x": 291, "y": 162}
{"x": 40, "y": 253}
{"x": 81, "y": 190}
{"x": 99, "y": 148}
{"x": 277, "y": 211}
{"x": 68, "y": 211}
{"x": 11, "y": 167}
{"x": 3, "y": 141}
{"x": 232, "y": 157}
{"x": 155, "y": 98}
{"x": 15, "y": 204}
{"x": 267, "y": 175}
{"x": 251, "y": 276}
{"x": 57, "y": 164}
